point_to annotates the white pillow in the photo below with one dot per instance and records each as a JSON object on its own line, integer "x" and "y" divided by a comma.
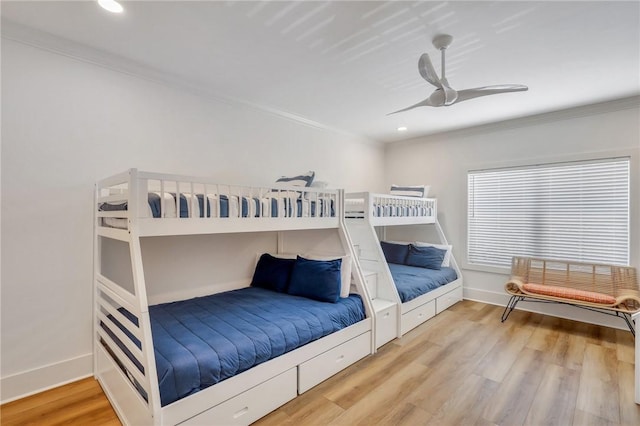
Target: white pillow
{"x": 345, "y": 269}
{"x": 420, "y": 191}
{"x": 447, "y": 256}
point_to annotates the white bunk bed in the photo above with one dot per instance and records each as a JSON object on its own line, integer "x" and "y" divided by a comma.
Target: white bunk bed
{"x": 371, "y": 218}
{"x": 127, "y": 369}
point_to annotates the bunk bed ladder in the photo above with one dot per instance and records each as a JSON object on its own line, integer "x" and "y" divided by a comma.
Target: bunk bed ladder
{"x": 370, "y": 258}
{"x": 122, "y": 326}
{"x": 356, "y": 272}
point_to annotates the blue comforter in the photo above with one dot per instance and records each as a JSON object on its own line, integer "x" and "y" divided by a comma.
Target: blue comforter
{"x": 202, "y": 341}
{"x": 412, "y": 281}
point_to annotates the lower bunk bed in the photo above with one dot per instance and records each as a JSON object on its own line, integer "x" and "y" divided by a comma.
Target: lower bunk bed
{"x": 274, "y": 344}
{"x": 424, "y": 289}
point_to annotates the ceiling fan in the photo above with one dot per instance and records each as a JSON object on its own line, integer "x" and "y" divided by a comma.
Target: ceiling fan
{"x": 444, "y": 95}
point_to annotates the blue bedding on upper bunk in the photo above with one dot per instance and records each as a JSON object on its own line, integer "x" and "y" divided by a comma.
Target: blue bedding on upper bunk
{"x": 288, "y": 203}
{"x": 156, "y": 206}
{"x": 201, "y": 341}
{"x": 412, "y": 281}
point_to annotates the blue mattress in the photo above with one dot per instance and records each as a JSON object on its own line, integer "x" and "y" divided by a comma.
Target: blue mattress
{"x": 202, "y": 341}
{"x": 412, "y": 281}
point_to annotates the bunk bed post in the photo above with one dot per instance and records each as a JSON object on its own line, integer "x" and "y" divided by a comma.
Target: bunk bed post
{"x": 96, "y": 270}
{"x": 441, "y": 236}
{"x": 443, "y": 240}
{"x": 368, "y": 204}
{"x": 280, "y": 242}
{"x": 141, "y": 297}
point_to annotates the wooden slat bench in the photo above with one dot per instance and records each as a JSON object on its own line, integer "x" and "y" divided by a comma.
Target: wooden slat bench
{"x": 608, "y": 289}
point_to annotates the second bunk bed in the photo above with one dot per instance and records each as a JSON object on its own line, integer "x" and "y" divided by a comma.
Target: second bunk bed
{"x": 393, "y": 236}
{"x": 216, "y": 304}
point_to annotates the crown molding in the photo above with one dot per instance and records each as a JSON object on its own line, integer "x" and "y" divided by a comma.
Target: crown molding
{"x": 11, "y": 30}
{"x": 627, "y": 103}
{"x": 23, "y": 34}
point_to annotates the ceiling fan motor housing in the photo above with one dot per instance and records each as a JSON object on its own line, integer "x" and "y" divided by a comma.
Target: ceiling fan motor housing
{"x": 442, "y": 41}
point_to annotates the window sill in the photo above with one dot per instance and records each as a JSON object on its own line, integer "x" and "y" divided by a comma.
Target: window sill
{"x": 485, "y": 268}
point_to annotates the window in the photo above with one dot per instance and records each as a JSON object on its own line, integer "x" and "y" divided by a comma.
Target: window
{"x": 573, "y": 211}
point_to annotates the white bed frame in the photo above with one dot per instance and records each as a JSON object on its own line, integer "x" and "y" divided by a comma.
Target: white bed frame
{"x": 364, "y": 213}
{"x": 245, "y": 397}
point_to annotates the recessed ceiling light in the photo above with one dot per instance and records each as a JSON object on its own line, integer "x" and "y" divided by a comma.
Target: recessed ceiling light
{"x": 402, "y": 129}
{"x": 111, "y": 5}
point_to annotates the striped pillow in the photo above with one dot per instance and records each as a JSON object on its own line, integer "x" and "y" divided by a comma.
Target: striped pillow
{"x": 409, "y": 191}
{"x": 301, "y": 180}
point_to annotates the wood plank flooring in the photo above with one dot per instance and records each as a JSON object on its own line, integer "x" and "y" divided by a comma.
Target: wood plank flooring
{"x": 462, "y": 367}
{"x": 78, "y": 403}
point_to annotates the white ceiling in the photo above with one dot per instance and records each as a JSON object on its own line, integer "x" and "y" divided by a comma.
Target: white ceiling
{"x": 346, "y": 64}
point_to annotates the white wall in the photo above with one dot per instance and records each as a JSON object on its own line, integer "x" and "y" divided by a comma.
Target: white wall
{"x": 67, "y": 123}
{"x": 443, "y": 161}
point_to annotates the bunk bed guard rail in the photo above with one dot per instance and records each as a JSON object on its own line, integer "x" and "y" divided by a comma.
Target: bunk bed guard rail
{"x": 370, "y": 205}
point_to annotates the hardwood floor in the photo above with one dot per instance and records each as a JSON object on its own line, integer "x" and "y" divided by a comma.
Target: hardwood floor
{"x": 78, "y": 403}
{"x": 462, "y": 367}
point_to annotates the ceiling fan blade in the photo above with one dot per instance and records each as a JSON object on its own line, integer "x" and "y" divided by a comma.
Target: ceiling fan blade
{"x": 427, "y": 71}
{"x": 466, "y": 94}
{"x": 450, "y": 95}
{"x": 426, "y": 102}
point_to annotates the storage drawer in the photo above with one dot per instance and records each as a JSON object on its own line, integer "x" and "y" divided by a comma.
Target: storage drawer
{"x": 325, "y": 365}
{"x": 252, "y": 404}
{"x": 417, "y": 316}
{"x": 386, "y": 325}
{"x": 448, "y": 299}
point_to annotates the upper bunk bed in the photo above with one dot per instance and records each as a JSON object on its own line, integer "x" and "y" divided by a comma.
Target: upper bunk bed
{"x": 148, "y": 202}
{"x": 230, "y": 352}
{"x": 389, "y": 210}
{"x": 409, "y": 292}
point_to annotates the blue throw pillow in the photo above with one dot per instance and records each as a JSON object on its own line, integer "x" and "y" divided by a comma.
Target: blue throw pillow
{"x": 425, "y": 257}
{"x": 273, "y": 273}
{"x": 316, "y": 279}
{"x": 395, "y": 253}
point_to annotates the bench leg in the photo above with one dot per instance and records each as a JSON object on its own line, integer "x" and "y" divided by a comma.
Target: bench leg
{"x": 510, "y": 307}
{"x": 629, "y": 321}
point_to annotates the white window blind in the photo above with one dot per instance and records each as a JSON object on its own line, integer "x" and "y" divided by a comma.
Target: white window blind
{"x": 573, "y": 211}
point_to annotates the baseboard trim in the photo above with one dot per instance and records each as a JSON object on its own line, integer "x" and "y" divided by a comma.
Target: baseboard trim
{"x": 556, "y": 310}
{"x": 40, "y": 379}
